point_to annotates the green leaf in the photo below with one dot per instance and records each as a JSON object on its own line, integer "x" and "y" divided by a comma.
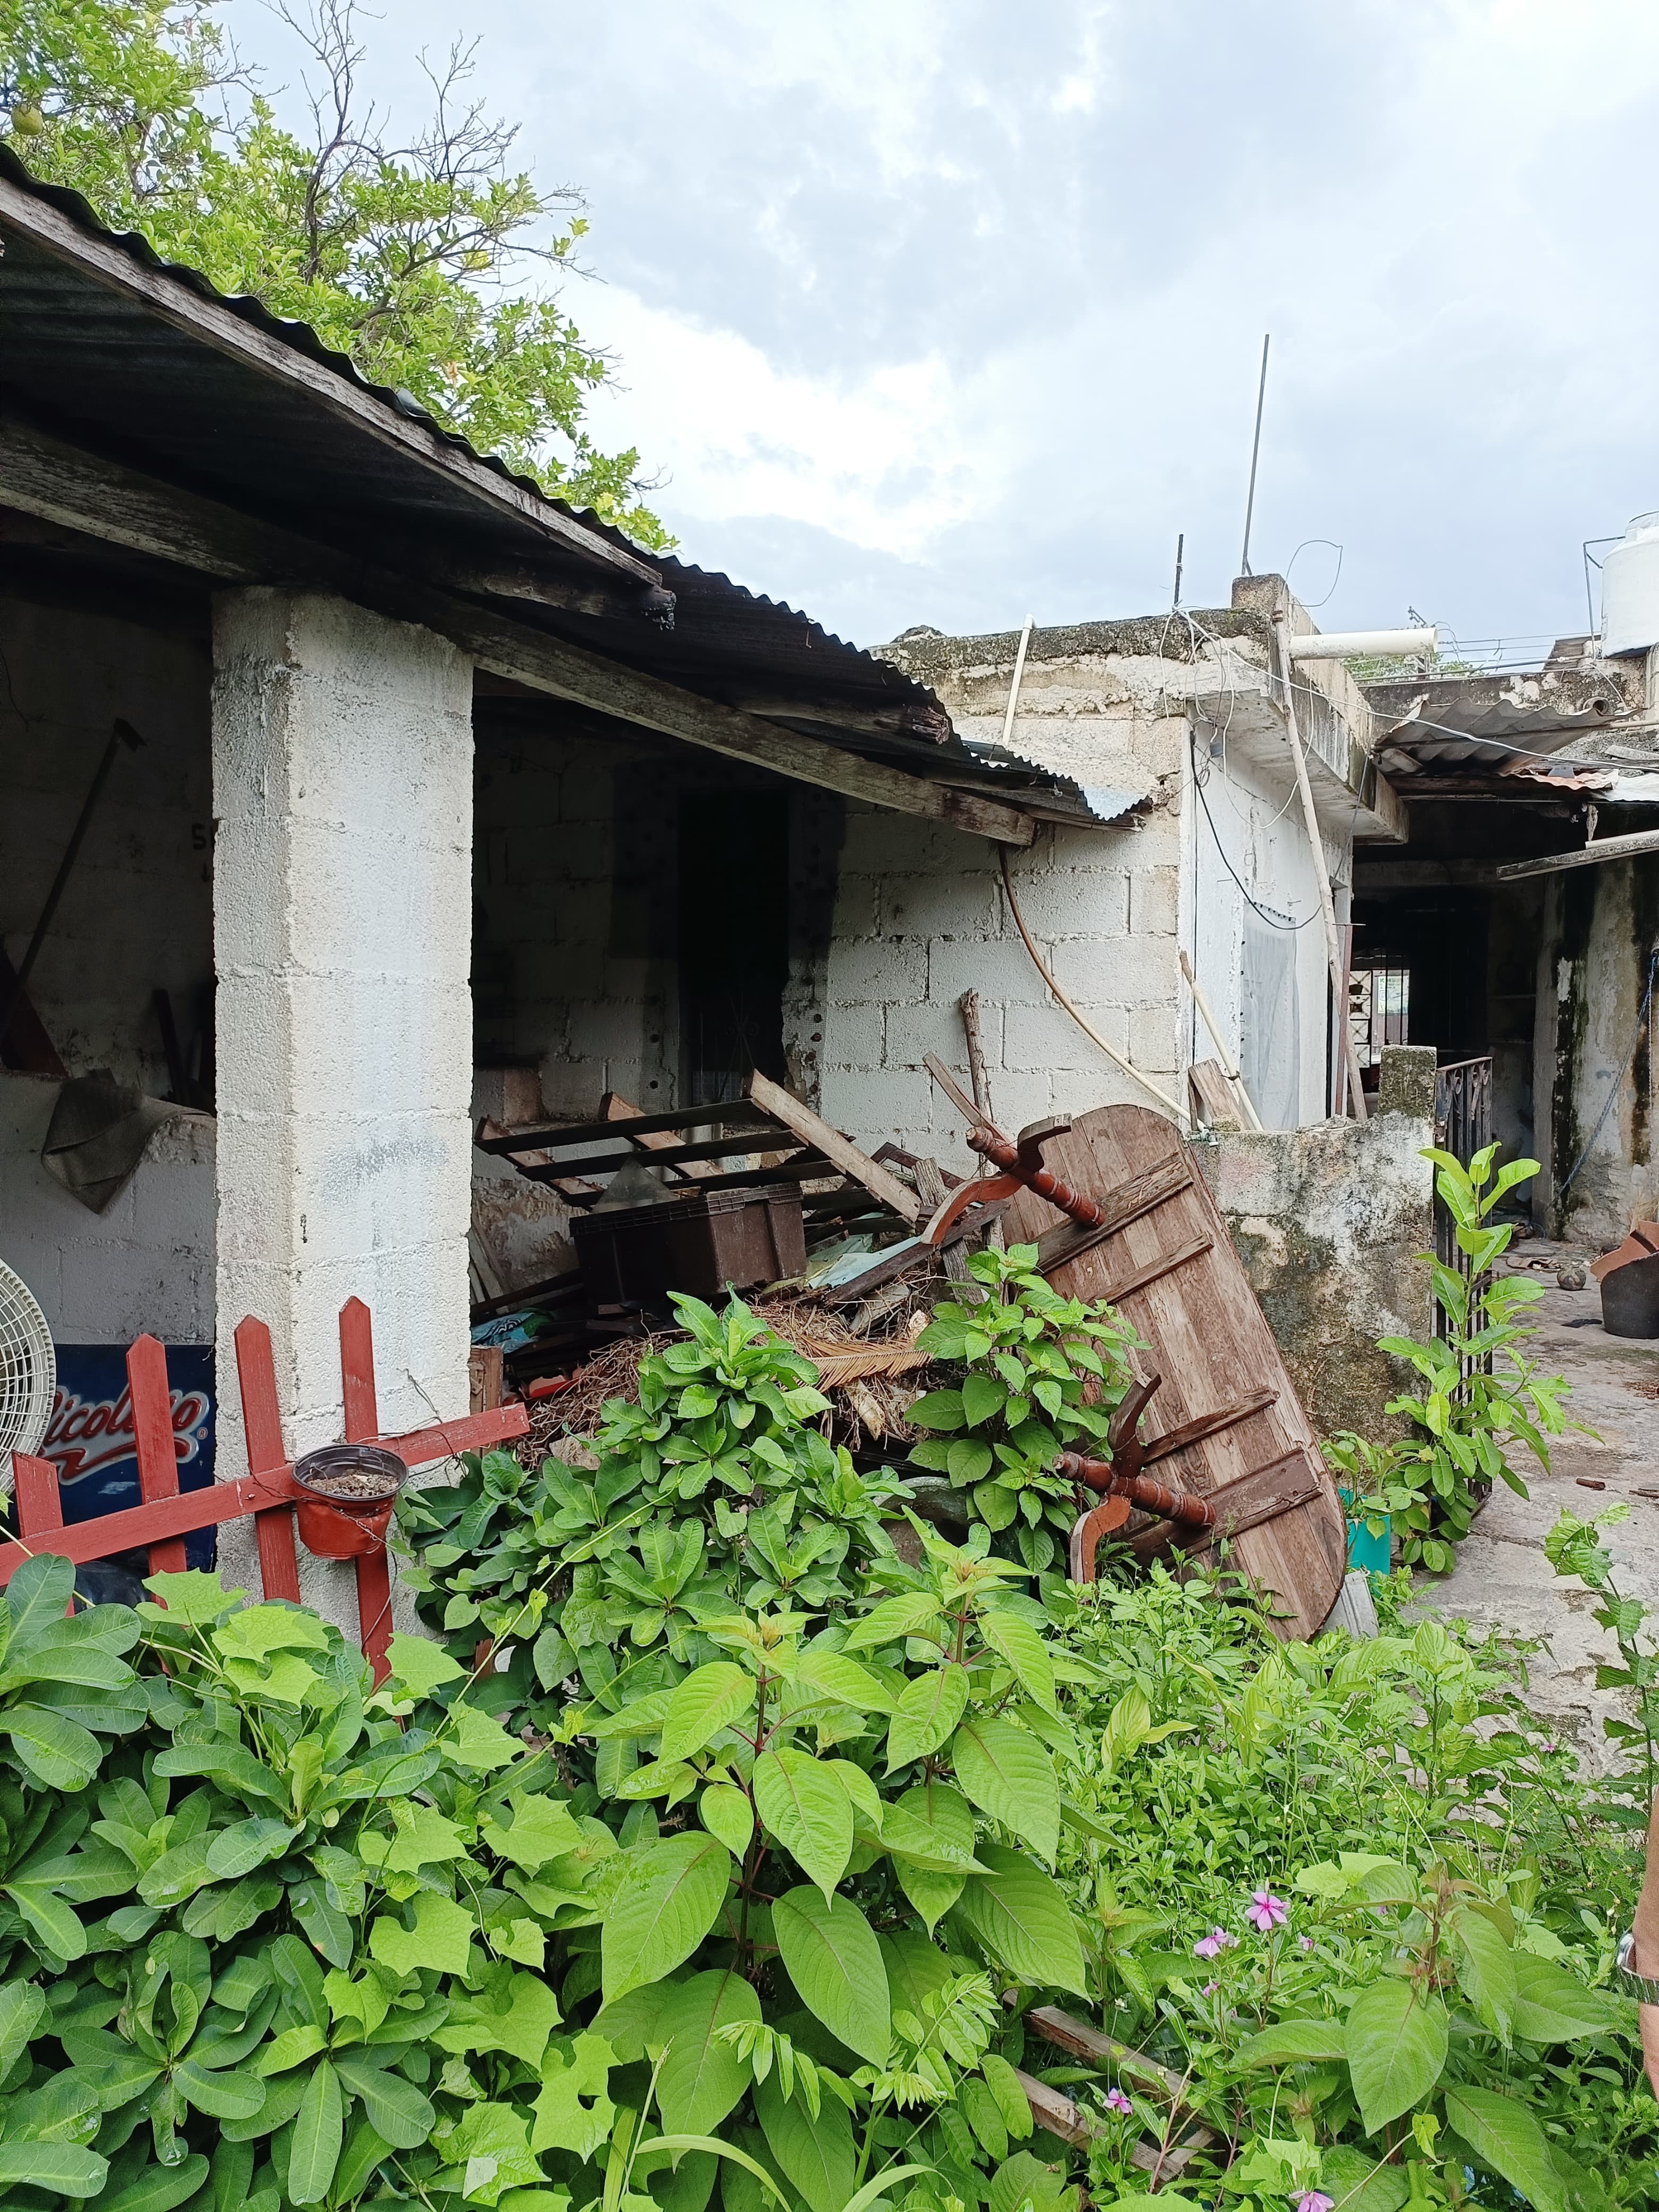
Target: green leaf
{"x": 55, "y": 1749}
{"x": 1292, "y": 2041}
{"x": 836, "y": 1676}
{"x": 834, "y": 1960}
{"x": 666, "y": 1905}
{"x": 968, "y": 1461}
{"x": 816, "y": 2155}
{"x": 807, "y": 1811}
{"x": 1485, "y": 1973}
{"x": 928, "y": 1710}
{"x": 319, "y": 2134}
{"x": 58, "y": 1927}
{"x": 574, "y": 2111}
{"x": 396, "y": 2110}
{"x": 702, "y": 2077}
{"x": 1360, "y": 2184}
{"x": 65, "y": 2167}
{"x": 1552, "y": 2006}
{"x": 520, "y": 2026}
{"x": 473, "y": 1739}
{"x": 1019, "y": 1644}
{"x": 1504, "y": 2136}
{"x": 982, "y": 1397}
{"x": 939, "y": 1410}
{"x": 707, "y": 1700}
{"x": 725, "y": 1812}
{"x": 222, "y": 2095}
{"x": 1020, "y": 1915}
{"x": 715, "y": 2149}
{"x": 912, "y": 1613}
{"x": 1007, "y": 1772}
{"x": 1397, "y": 2048}
{"x": 541, "y": 1829}
{"x": 236, "y": 1850}
{"x": 419, "y": 1666}
{"x": 442, "y": 1937}
{"x": 37, "y": 1595}
{"x": 22, "y": 2008}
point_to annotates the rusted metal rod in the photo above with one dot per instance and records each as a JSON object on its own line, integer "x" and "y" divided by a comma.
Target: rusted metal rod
{"x": 1024, "y": 1163}
{"x": 1099, "y": 1475}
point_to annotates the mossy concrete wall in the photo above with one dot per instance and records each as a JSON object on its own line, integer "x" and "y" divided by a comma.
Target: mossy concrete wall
{"x": 1328, "y": 1222}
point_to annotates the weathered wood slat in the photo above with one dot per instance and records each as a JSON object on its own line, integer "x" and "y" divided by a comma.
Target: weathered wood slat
{"x": 1132, "y": 1200}
{"x": 1158, "y": 1268}
{"x": 1210, "y": 1340}
{"x": 813, "y": 1130}
{"x": 1205, "y": 1424}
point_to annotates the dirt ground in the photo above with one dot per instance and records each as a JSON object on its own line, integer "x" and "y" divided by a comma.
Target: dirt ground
{"x": 1502, "y": 1579}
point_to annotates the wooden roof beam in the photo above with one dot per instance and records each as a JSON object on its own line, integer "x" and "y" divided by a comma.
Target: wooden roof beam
{"x": 44, "y": 474}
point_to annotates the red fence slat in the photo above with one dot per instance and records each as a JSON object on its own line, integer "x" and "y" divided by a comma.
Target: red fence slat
{"x": 152, "y": 1429}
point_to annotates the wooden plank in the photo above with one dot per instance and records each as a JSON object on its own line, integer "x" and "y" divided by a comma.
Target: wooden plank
{"x": 1156, "y": 1269}
{"x": 665, "y": 1152}
{"x": 1164, "y": 1180}
{"x": 1210, "y": 1340}
{"x": 486, "y": 1366}
{"x": 362, "y": 1424}
{"x": 549, "y": 1136}
{"x": 216, "y": 324}
{"x": 1084, "y": 2041}
{"x": 1213, "y": 1096}
{"x": 262, "y": 1430}
{"x": 46, "y": 475}
{"x": 152, "y": 1430}
{"x": 1052, "y": 2110}
{"x": 1205, "y": 1424}
{"x": 618, "y": 1109}
{"x": 930, "y": 1191}
{"x": 268, "y": 1497}
{"x": 813, "y": 1130}
{"x": 474, "y": 1432}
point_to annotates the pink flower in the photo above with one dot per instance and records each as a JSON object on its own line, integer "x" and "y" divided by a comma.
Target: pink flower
{"x": 1116, "y": 2101}
{"x": 1306, "y": 1942}
{"x": 1212, "y": 1945}
{"x": 1265, "y": 1912}
{"x": 1314, "y": 2200}
{"x": 1210, "y": 1989}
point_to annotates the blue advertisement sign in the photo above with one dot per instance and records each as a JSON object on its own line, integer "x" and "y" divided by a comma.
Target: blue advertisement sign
{"x": 90, "y": 1438}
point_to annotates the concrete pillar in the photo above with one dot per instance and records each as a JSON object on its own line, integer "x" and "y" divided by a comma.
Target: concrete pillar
{"x": 343, "y": 789}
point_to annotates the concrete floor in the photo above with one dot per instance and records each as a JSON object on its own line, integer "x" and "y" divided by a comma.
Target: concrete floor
{"x": 1502, "y": 1579}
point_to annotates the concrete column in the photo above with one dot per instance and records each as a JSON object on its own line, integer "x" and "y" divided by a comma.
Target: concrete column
{"x": 343, "y": 789}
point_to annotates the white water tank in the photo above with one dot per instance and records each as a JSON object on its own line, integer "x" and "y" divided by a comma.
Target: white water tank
{"x": 1630, "y": 589}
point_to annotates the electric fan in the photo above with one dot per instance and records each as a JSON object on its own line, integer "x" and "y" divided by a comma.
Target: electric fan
{"x": 28, "y": 1371}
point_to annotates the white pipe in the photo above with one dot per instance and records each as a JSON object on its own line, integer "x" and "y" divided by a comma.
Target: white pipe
{"x": 1348, "y": 1056}
{"x": 1013, "y": 688}
{"x": 1351, "y": 644}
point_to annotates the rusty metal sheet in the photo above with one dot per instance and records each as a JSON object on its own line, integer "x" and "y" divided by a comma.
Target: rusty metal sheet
{"x": 1208, "y": 1339}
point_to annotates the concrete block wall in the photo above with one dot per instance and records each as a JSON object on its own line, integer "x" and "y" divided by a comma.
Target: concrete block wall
{"x": 922, "y": 916}
{"x": 343, "y": 780}
{"x": 146, "y": 1262}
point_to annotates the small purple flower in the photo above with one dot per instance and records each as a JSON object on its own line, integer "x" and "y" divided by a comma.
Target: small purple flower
{"x": 1210, "y": 1989}
{"x": 1306, "y": 1942}
{"x": 1265, "y": 1912}
{"x": 1212, "y": 1945}
{"x": 1548, "y": 1744}
{"x": 1116, "y": 2101}
{"x": 1314, "y": 2200}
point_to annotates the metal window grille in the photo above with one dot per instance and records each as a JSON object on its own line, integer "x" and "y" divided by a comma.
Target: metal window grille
{"x": 1379, "y": 1011}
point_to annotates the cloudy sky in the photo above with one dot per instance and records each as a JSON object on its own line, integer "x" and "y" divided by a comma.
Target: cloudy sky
{"x": 950, "y": 311}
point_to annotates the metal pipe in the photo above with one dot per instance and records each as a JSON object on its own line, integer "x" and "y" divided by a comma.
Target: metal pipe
{"x": 1586, "y": 856}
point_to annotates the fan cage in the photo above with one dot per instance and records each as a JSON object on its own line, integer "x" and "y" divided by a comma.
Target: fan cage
{"x": 28, "y": 1371}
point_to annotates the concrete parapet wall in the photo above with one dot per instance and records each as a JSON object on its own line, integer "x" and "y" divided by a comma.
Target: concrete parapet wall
{"x": 1328, "y": 1221}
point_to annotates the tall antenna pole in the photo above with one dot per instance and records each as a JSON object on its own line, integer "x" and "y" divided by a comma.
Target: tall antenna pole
{"x": 1256, "y": 449}
{"x": 1181, "y": 554}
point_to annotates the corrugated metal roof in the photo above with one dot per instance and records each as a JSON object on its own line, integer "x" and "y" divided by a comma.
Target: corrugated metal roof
{"x": 123, "y": 366}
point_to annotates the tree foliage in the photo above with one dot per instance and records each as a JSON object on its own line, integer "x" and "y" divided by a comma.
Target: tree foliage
{"x": 411, "y": 257}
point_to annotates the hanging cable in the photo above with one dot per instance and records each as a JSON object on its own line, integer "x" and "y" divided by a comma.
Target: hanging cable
{"x": 1255, "y": 905}
{"x": 1619, "y": 1080}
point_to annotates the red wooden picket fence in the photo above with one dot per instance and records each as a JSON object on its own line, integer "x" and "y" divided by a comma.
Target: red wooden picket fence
{"x": 268, "y": 1491}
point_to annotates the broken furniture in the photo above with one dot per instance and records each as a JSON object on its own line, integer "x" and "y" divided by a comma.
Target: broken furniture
{"x": 341, "y": 1522}
{"x": 1119, "y": 1210}
{"x": 754, "y": 1202}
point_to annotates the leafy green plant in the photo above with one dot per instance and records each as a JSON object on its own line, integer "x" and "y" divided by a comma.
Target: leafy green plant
{"x": 713, "y": 1490}
{"x": 1479, "y": 1396}
{"x": 1040, "y": 1375}
{"x": 1578, "y": 1549}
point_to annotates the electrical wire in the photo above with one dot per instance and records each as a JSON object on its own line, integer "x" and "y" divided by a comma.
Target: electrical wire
{"x": 1618, "y": 1084}
{"x": 1288, "y": 928}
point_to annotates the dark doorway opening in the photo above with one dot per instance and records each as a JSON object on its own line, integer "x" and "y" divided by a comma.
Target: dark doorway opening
{"x": 734, "y": 941}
